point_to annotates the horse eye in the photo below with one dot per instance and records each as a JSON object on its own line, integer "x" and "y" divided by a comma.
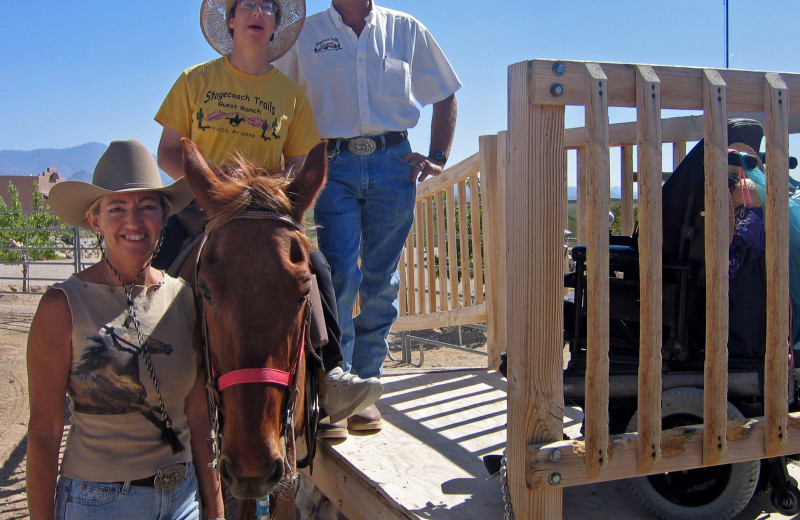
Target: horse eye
{"x": 205, "y": 292}
{"x": 303, "y": 299}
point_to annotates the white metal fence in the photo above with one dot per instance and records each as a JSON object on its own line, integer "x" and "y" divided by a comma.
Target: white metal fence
{"x": 33, "y": 257}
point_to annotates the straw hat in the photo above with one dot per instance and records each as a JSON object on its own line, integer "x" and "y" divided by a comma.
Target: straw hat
{"x": 213, "y": 14}
{"x": 126, "y": 166}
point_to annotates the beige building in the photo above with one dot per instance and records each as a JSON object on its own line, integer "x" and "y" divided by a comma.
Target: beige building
{"x": 45, "y": 180}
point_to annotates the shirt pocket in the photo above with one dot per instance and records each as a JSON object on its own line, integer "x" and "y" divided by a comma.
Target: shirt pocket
{"x": 396, "y": 79}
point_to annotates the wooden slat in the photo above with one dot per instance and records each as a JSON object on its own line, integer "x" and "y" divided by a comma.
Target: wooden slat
{"x": 776, "y": 216}
{"x": 446, "y": 318}
{"x": 682, "y": 87}
{"x": 650, "y": 263}
{"x": 597, "y": 328}
{"x": 678, "y": 153}
{"x": 411, "y": 300}
{"x": 419, "y": 239}
{"x": 582, "y": 193}
{"x": 452, "y": 250}
{"x": 626, "y": 162}
{"x": 717, "y": 213}
{"x": 682, "y": 449}
{"x": 431, "y": 259}
{"x": 535, "y": 191}
{"x": 463, "y": 239}
{"x": 441, "y": 249}
{"x": 402, "y": 295}
{"x": 476, "y": 230}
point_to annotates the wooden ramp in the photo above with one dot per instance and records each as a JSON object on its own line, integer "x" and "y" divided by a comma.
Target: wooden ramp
{"x": 427, "y": 461}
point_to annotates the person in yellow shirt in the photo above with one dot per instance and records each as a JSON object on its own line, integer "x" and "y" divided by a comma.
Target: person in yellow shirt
{"x": 240, "y": 105}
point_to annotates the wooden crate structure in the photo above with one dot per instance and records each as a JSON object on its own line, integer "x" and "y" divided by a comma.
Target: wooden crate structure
{"x": 535, "y": 208}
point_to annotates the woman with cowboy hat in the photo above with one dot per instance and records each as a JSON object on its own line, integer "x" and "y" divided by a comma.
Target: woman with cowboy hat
{"x": 240, "y": 105}
{"x": 117, "y": 338}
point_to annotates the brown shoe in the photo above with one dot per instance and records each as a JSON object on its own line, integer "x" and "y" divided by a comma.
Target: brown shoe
{"x": 367, "y": 420}
{"x": 331, "y": 432}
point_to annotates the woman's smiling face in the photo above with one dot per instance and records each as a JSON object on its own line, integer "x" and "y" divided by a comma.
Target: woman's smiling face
{"x": 130, "y": 223}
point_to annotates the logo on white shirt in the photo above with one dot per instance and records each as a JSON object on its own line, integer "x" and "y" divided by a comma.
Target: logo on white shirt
{"x": 328, "y": 44}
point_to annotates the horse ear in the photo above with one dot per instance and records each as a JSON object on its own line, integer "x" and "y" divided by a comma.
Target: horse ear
{"x": 307, "y": 184}
{"x": 199, "y": 176}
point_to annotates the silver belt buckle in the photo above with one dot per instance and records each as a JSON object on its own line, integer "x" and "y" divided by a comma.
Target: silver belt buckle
{"x": 362, "y": 146}
{"x": 170, "y": 477}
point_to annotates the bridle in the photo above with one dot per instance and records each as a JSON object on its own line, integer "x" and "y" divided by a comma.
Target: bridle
{"x": 215, "y": 383}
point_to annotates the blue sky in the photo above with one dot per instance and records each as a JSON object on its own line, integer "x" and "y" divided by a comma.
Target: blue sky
{"x": 81, "y": 71}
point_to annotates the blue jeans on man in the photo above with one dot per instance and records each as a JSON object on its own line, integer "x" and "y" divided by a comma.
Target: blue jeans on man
{"x": 366, "y": 210}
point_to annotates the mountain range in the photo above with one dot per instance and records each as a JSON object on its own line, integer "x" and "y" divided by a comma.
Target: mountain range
{"x": 76, "y": 163}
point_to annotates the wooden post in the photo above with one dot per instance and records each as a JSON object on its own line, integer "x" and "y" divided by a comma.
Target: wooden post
{"x": 597, "y": 283}
{"x": 494, "y": 237}
{"x": 535, "y": 209}
{"x": 648, "y": 138}
{"x": 776, "y": 220}
{"x": 717, "y": 212}
{"x": 582, "y": 195}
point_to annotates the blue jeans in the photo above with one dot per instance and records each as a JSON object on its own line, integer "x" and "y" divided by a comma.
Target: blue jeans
{"x": 366, "y": 209}
{"x": 79, "y": 500}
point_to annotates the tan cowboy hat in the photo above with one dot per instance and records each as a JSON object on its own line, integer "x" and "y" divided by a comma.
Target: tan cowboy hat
{"x": 213, "y": 22}
{"x": 126, "y": 166}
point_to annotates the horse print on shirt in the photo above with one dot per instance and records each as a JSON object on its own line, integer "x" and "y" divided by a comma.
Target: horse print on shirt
{"x": 107, "y": 379}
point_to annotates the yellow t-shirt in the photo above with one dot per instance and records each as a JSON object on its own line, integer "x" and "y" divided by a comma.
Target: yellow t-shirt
{"x": 225, "y": 111}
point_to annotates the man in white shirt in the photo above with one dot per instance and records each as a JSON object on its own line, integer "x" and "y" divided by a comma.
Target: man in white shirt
{"x": 364, "y": 69}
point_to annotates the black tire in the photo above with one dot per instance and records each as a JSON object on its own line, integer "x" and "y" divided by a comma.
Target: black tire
{"x": 713, "y": 493}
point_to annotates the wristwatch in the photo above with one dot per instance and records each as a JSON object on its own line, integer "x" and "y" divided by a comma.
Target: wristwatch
{"x": 438, "y": 156}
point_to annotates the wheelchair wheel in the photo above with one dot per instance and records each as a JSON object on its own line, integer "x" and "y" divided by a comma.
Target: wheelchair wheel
{"x": 717, "y": 492}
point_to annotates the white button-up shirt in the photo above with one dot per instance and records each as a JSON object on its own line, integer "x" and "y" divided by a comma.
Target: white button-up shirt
{"x": 368, "y": 84}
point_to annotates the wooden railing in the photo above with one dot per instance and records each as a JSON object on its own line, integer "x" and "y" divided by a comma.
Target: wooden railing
{"x": 535, "y": 208}
{"x": 515, "y": 282}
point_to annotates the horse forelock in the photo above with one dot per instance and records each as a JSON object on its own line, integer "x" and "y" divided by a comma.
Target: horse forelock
{"x": 248, "y": 186}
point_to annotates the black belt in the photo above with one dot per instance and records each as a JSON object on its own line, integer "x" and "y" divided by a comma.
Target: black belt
{"x": 166, "y": 479}
{"x": 365, "y": 145}
{"x": 144, "y": 482}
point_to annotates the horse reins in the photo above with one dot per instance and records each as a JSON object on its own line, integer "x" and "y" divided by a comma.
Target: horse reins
{"x": 288, "y": 380}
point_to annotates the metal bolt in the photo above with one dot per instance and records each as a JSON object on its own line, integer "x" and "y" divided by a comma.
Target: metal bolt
{"x": 559, "y": 69}
{"x": 556, "y": 89}
{"x": 340, "y": 503}
{"x": 555, "y": 455}
{"x": 554, "y": 479}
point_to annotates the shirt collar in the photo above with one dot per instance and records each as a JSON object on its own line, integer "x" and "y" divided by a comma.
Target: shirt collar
{"x": 338, "y": 22}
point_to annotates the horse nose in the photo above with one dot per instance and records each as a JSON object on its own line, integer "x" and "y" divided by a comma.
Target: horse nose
{"x": 254, "y": 487}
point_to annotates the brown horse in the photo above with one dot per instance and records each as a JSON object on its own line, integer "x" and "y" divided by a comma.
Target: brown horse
{"x": 253, "y": 278}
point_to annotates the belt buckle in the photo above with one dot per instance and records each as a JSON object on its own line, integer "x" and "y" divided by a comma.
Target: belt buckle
{"x": 170, "y": 477}
{"x": 362, "y": 146}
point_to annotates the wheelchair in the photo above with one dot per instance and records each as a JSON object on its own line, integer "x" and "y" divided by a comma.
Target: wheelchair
{"x": 712, "y": 492}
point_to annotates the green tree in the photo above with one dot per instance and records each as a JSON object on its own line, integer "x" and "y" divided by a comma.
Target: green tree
{"x": 14, "y": 224}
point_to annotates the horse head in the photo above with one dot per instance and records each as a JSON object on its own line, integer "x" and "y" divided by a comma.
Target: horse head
{"x": 254, "y": 279}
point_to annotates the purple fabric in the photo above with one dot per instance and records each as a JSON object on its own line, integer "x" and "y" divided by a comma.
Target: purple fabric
{"x": 748, "y": 233}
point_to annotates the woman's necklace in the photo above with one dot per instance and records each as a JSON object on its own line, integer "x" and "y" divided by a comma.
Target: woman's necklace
{"x": 168, "y": 435}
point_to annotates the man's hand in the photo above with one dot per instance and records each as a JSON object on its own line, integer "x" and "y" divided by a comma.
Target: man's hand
{"x": 422, "y": 166}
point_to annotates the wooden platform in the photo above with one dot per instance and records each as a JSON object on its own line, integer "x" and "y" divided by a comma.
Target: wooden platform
{"x": 427, "y": 460}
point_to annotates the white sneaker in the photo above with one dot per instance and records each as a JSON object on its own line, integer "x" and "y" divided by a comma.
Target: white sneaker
{"x": 345, "y": 394}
